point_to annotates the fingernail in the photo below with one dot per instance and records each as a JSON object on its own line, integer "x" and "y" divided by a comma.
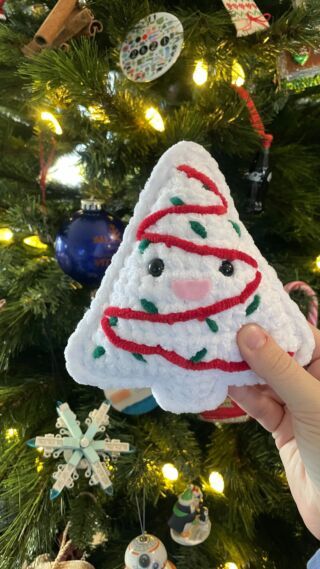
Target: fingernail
{"x": 253, "y": 337}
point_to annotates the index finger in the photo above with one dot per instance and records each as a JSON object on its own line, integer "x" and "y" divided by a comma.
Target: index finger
{"x": 259, "y": 405}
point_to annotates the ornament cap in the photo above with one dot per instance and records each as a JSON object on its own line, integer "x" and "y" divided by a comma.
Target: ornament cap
{"x": 91, "y": 205}
{"x": 54, "y": 494}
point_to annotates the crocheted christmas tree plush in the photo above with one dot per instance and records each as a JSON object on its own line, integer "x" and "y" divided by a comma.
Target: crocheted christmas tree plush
{"x": 185, "y": 279}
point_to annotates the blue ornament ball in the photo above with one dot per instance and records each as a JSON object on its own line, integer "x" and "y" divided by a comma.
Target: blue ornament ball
{"x": 85, "y": 245}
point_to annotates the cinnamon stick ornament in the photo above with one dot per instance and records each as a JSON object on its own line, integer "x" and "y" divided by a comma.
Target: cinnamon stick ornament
{"x": 68, "y": 19}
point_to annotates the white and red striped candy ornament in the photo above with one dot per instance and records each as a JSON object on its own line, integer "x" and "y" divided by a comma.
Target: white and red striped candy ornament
{"x": 312, "y": 315}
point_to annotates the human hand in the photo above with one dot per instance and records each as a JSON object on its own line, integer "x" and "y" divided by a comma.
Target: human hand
{"x": 289, "y": 407}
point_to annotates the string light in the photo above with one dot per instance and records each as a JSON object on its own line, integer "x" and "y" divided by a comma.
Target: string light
{"x": 39, "y": 464}
{"x": 67, "y": 170}
{"x": 11, "y": 434}
{"x": 238, "y": 75}
{"x": 35, "y": 242}
{"x": 6, "y": 235}
{"x": 170, "y": 472}
{"x": 216, "y": 482}
{"x": 230, "y": 565}
{"x": 318, "y": 262}
{"x": 97, "y": 114}
{"x": 154, "y": 119}
{"x": 52, "y": 122}
{"x": 200, "y": 74}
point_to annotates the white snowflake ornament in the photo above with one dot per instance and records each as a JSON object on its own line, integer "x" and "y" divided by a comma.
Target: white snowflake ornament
{"x": 80, "y": 449}
{"x": 186, "y": 277}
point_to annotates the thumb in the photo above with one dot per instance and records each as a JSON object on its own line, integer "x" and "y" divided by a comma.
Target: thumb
{"x": 297, "y": 388}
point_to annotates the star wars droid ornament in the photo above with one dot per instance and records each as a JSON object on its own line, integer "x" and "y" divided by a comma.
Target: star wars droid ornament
{"x": 147, "y": 551}
{"x": 190, "y": 523}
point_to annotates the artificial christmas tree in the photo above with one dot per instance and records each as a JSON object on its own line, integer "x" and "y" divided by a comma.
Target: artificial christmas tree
{"x": 118, "y": 129}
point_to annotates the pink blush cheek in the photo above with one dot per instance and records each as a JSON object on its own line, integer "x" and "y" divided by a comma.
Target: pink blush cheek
{"x": 188, "y": 289}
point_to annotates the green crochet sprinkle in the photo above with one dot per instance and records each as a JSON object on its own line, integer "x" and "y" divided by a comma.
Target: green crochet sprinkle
{"x": 198, "y": 229}
{"x": 235, "y": 226}
{"x": 139, "y": 357}
{"x": 98, "y": 352}
{"x": 148, "y": 306}
{"x": 198, "y": 356}
{"x": 176, "y": 201}
{"x": 212, "y": 325}
{"x": 113, "y": 321}
{"x": 254, "y": 305}
{"x": 143, "y": 245}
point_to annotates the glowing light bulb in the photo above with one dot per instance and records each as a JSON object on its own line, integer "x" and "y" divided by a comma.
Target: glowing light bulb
{"x": 216, "y": 482}
{"x": 238, "y": 75}
{"x": 318, "y": 262}
{"x": 11, "y": 434}
{"x": 170, "y": 472}
{"x": 154, "y": 119}
{"x": 35, "y": 242}
{"x": 39, "y": 464}
{"x": 52, "y": 122}
{"x": 230, "y": 565}
{"x": 97, "y": 114}
{"x": 5, "y": 235}
{"x": 200, "y": 74}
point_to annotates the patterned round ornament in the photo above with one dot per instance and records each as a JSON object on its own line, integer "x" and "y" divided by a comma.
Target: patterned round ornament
{"x": 151, "y": 47}
{"x": 228, "y": 412}
{"x": 131, "y": 401}
{"x": 147, "y": 551}
{"x": 84, "y": 247}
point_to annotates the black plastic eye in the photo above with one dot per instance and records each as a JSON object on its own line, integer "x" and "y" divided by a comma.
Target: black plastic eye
{"x": 144, "y": 560}
{"x": 155, "y": 565}
{"x": 226, "y": 268}
{"x": 156, "y": 267}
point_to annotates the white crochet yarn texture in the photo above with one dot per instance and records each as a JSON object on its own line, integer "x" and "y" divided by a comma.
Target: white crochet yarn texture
{"x": 185, "y": 278}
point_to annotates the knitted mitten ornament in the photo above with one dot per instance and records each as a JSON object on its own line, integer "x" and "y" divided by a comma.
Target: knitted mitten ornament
{"x": 185, "y": 279}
